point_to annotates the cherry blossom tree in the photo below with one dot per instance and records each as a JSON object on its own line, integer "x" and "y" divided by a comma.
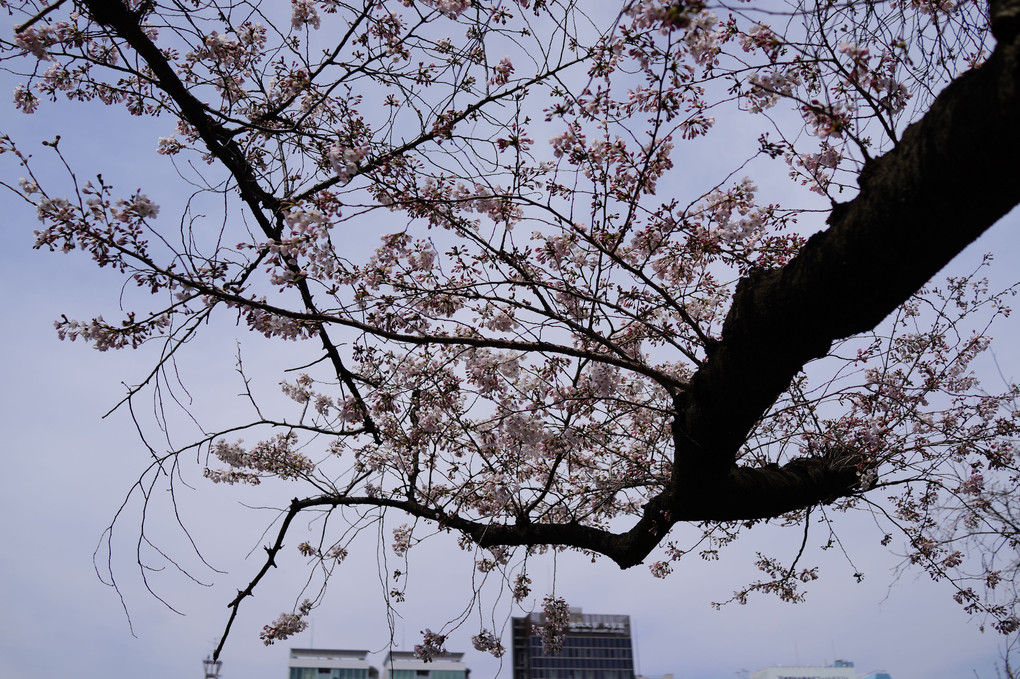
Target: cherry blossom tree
{"x": 542, "y": 314}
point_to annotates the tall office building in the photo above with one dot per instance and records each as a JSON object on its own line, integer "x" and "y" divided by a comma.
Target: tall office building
{"x": 595, "y": 647}
{"x": 322, "y": 663}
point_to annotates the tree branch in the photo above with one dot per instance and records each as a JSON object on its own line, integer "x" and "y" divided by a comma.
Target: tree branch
{"x": 915, "y": 211}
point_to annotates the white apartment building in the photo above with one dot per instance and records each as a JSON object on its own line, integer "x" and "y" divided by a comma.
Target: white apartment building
{"x": 403, "y": 665}
{"x": 328, "y": 663}
{"x": 841, "y": 669}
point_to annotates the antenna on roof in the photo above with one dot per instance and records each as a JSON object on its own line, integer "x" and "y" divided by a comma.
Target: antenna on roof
{"x": 212, "y": 667}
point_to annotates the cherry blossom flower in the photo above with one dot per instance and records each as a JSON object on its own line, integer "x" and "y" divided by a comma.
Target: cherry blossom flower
{"x": 287, "y": 625}
{"x": 554, "y": 624}
{"x": 24, "y": 100}
{"x": 660, "y": 569}
{"x": 36, "y": 41}
{"x": 28, "y": 186}
{"x": 487, "y": 642}
{"x": 522, "y": 587}
{"x": 431, "y": 647}
{"x": 501, "y": 72}
{"x": 344, "y": 160}
{"x": 401, "y": 539}
{"x": 451, "y": 8}
{"x": 303, "y": 13}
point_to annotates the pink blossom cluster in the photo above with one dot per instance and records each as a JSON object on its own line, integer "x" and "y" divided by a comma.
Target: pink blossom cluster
{"x": 603, "y": 380}
{"x": 827, "y": 119}
{"x": 451, "y": 8}
{"x": 818, "y": 166}
{"x": 733, "y": 215}
{"x": 627, "y": 173}
{"x": 307, "y": 239}
{"x": 487, "y": 642}
{"x": 501, "y": 72}
{"x": 104, "y": 336}
{"x": 555, "y": 621}
{"x": 24, "y": 100}
{"x": 762, "y": 37}
{"x": 490, "y": 371}
{"x": 303, "y": 13}
{"x": 169, "y": 146}
{"x": 301, "y": 391}
{"x": 664, "y": 15}
{"x": 390, "y": 29}
{"x": 570, "y": 143}
{"x": 337, "y": 552}
{"x": 431, "y": 647}
{"x": 227, "y": 62}
{"x": 48, "y": 209}
{"x": 401, "y": 539}
{"x": 233, "y": 53}
{"x": 274, "y": 325}
{"x": 660, "y": 569}
{"x": 138, "y": 207}
{"x": 56, "y": 78}
{"x": 344, "y": 160}
{"x": 488, "y": 200}
{"x": 974, "y": 485}
{"x": 880, "y": 79}
{"x": 702, "y": 38}
{"x": 36, "y": 40}
{"x": 522, "y": 587}
{"x": 275, "y": 457}
{"x": 231, "y": 477}
{"x": 933, "y": 7}
{"x": 27, "y": 186}
{"x": 767, "y": 88}
{"x": 287, "y": 625}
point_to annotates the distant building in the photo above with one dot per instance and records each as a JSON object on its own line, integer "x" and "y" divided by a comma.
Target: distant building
{"x": 595, "y": 647}
{"x": 841, "y": 669}
{"x": 403, "y": 665}
{"x": 317, "y": 663}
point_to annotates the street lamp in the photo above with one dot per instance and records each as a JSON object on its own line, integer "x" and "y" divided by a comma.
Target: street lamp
{"x": 212, "y": 667}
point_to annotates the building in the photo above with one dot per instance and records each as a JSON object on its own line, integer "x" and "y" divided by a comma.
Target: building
{"x": 403, "y": 665}
{"x": 841, "y": 669}
{"x": 595, "y": 647}
{"x": 317, "y": 663}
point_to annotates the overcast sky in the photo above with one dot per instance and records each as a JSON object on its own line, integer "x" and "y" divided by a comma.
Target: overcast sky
{"x": 66, "y": 471}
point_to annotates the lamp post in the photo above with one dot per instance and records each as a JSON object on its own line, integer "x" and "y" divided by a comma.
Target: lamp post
{"x": 212, "y": 667}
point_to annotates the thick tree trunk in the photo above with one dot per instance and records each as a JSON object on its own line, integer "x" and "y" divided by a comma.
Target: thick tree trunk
{"x": 954, "y": 174}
